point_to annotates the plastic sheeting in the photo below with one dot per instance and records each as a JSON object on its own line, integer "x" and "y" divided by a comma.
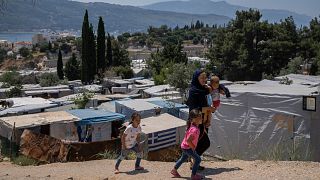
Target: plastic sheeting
{"x": 101, "y": 132}
{"x": 64, "y": 131}
{"x": 91, "y": 116}
{"x": 254, "y": 125}
{"x": 163, "y": 131}
{"x": 170, "y": 107}
{"x": 145, "y": 109}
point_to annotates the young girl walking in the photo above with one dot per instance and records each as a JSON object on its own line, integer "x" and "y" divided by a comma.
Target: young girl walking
{"x": 189, "y": 145}
{"x": 129, "y": 141}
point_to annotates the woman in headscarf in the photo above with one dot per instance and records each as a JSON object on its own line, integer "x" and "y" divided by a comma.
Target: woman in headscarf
{"x": 198, "y": 100}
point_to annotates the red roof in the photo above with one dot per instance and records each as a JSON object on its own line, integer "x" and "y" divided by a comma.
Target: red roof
{"x": 24, "y": 43}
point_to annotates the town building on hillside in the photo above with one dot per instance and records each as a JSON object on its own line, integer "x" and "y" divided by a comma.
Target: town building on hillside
{"x": 18, "y": 45}
{"x": 200, "y": 60}
{"x": 139, "y": 53}
{"x": 6, "y": 45}
{"x": 39, "y": 39}
{"x": 194, "y": 50}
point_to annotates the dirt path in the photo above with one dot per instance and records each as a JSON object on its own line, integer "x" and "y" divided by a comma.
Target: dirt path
{"x": 103, "y": 169}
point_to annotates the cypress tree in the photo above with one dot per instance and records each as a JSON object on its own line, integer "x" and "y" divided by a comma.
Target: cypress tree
{"x": 60, "y": 66}
{"x": 85, "y": 49}
{"x": 50, "y": 46}
{"x": 92, "y": 59}
{"x": 72, "y": 70}
{"x": 101, "y": 48}
{"x": 109, "y": 51}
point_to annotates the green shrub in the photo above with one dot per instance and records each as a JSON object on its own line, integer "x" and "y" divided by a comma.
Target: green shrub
{"x": 11, "y": 78}
{"x": 49, "y": 79}
{"x": 30, "y": 79}
{"x": 82, "y": 99}
{"x": 124, "y": 72}
{"x": 24, "y": 161}
{"x": 16, "y": 91}
{"x": 107, "y": 155}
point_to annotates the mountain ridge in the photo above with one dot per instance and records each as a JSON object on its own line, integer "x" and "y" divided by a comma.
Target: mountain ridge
{"x": 64, "y": 14}
{"x": 225, "y": 9}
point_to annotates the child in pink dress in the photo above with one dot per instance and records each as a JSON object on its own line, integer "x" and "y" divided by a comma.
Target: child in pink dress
{"x": 189, "y": 145}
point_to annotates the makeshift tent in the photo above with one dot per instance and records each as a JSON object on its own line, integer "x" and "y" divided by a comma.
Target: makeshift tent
{"x": 27, "y": 105}
{"x": 160, "y": 91}
{"x": 163, "y": 131}
{"x": 168, "y": 106}
{"x": 265, "y": 118}
{"x": 98, "y": 123}
{"x": 145, "y": 109}
{"x": 34, "y": 122}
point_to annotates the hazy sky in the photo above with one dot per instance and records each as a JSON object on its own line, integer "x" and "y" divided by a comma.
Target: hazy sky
{"x": 308, "y": 7}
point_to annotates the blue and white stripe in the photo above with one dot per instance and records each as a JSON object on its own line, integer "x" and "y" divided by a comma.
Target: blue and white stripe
{"x": 162, "y": 139}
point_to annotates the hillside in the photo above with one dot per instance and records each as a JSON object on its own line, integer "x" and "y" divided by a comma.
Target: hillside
{"x": 103, "y": 169}
{"x": 225, "y": 9}
{"x": 22, "y": 15}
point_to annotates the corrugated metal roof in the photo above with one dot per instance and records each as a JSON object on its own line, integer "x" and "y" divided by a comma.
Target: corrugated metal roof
{"x": 92, "y": 116}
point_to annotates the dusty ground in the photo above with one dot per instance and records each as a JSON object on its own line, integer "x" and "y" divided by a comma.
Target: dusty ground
{"x": 103, "y": 169}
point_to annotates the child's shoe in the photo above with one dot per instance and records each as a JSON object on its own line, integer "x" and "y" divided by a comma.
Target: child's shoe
{"x": 139, "y": 168}
{"x": 175, "y": 173}
{"x": 116, "y": 171}
{"x": 196, "y": 177}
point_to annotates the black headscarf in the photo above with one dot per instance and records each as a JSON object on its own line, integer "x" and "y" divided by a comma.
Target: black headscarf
{"x": 196, "y": 87}
{"x": 197, "y": 92}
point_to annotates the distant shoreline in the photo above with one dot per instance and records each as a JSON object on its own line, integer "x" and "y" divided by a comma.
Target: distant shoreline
{"x": 17, "y": 36}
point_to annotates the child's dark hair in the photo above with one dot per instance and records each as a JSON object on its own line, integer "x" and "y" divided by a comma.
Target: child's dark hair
{"x": 134, "y": 115}
{"x": 194, "y": 113}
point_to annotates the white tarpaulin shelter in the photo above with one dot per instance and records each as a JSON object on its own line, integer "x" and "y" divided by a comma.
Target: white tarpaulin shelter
{"x": 144, "y": 108}
{"x": 263, "y": 118}
{"x": 35, "y": 121}
{"x": 159, "y": 91}
{"x": 27, "y": 105}
{"x": 163, "y": 131}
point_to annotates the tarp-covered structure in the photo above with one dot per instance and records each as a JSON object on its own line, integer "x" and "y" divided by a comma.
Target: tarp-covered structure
{"x": 266, "y": 119}
{"x": 160, "y": 91}
{"x": 144, "y": 108}
{"x": 27, "y": 105}
{"x": 97, "y": 124}
{"x": 39, "y": 123}
{"x": 148, "y": 107}
{"x": 163, "y": 131}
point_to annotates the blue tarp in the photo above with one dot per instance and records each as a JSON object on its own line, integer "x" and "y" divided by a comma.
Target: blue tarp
{"x": 91, "y": 116}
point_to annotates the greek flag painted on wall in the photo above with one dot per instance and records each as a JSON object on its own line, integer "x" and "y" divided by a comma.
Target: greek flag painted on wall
{"x": 162, "y": 139}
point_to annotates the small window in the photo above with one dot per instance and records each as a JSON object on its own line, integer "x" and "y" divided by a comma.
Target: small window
{"x": 309, "y": 103}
